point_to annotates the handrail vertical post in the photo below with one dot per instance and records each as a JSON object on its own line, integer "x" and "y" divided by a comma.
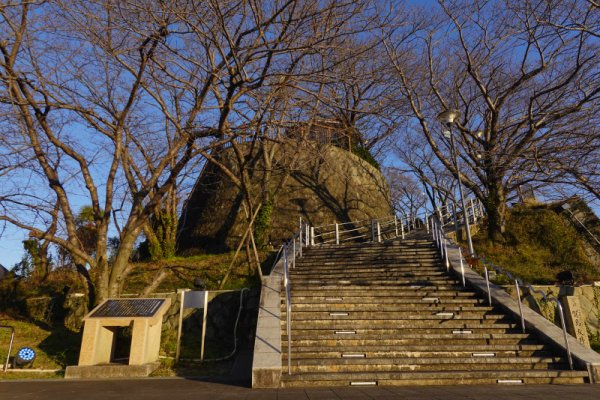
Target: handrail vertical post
{"x": 396, "y": 225}
{"x": 337, "y": 233}
{"x": 312, "y": 235}
{"x": 288, "y": 307}
{"x": 378, "y": 231}
{"x": 462, "y": 267}
{"x": 520, "y": 305}
{"x": 487, "y": 282}
{"x": 426, "y": 221}
{"x": 564, "y": 328}
{"x": 446, "y": 253}
{"x": 293, "y": 252}
{"x": 402, "y": 227}
{"x": 10, "y": 344}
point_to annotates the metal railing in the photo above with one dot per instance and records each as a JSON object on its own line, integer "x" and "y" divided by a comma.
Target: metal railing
{"x": 10, "y": 344}
{"x": 442, "y": 243}
{"x": 451, "y": 215}
{"x": 375, "y": 230}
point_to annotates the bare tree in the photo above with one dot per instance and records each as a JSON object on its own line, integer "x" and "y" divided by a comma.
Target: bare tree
{"x": 108, "y": 103}
{"x": 525, "y": 91}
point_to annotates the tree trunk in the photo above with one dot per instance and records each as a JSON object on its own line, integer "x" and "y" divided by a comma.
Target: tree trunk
{"x": 495, "y": 205}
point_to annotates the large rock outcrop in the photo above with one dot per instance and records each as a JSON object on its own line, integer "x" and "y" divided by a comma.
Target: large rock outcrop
{"x": 322, "y": 184}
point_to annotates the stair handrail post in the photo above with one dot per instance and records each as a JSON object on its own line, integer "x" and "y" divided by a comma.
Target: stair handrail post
{"x": 378, "y": 231}
{"x": 446, "y": 253}
{"x": 312, "y": 235}
{"x": 337, "y": 233}
{"x": 426, "y": 221}
{"x": 520, "y": 305}
{"x": 564, "y": 328}
{"x": 396, "y": 225}
{"x": 402, "y": 227}
{"x": 293, "y": 251}
{"x": 288, "y": 307}
{"x": 487, "y": 283}
{"x": 462, "y": 267}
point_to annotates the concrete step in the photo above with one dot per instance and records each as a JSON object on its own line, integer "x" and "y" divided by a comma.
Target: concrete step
{"x": 368, "y": 332}
{"x": 456, "y": 377}
{"x": 416, "y": 321}
{"x": 367, "y": 316}
{"x": 418, "y": 306}
{"x": 373, "y": 282}
{"x": 434, "y": 340}
{"x": 427, "y": 364}
{"x": 419, "y": 351}
{"x": 364, "y": 284}
{"x": 389, "y": 314}
{"x": 424, "y": 292}
{"x": 383, "y": 300}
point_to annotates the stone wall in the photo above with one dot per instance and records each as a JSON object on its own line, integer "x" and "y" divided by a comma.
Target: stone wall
{"x": 322, "y": 184}
{"x": 587, "y": 296}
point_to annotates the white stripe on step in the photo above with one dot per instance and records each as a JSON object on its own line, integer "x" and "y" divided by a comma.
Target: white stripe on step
{"x": 510, "y": 381}
{"x": 445, "y": 314}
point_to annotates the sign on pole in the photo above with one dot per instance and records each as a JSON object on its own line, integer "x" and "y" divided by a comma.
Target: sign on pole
{"x": 192, "y": 299}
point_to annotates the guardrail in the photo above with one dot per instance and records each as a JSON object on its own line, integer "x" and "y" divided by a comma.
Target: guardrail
{"x": 451, "y": 215}
{"x": 364, "y": 230}
{"x": 442, "y": 243}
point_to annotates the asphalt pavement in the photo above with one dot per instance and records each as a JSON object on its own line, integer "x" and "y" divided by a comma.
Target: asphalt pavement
{"x": 179, "y": 388}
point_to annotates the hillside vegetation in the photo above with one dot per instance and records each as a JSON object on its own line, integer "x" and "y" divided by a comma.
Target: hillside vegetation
{"x": 538, "y": 244}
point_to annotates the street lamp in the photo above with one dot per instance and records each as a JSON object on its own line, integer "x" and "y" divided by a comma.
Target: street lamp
{"x": 448, "y": 117}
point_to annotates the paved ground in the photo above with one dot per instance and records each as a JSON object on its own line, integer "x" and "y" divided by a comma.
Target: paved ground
{"x": 176, "y": 389}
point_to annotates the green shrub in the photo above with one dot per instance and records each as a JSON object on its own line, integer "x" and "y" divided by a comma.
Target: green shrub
{"x": 539, "y": 243}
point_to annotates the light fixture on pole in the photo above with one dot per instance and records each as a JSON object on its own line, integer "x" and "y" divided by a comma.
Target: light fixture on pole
{"x": 447, "y": 118}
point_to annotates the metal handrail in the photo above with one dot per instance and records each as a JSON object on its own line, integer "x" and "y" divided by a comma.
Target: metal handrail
{"x": 545, "y": 297}
{"x": 441, "y": 241}
{"x": 10, "y": 344}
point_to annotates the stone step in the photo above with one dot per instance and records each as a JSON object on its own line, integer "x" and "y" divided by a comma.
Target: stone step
{"x": 401, "y": 260}
{"x": 425, "y": 292}
{"x": 366, "y": 316}
{"x": 381, "y": 300}
{"x": 426, "y": 364}
{"x": 393, "y": 286}
{"x": 389, "y": 274}
{"x": 456, "y": 377}
{"x": 400, "y": 343}
{"x": 416, "y": 321}
{"x": 389, "y": 314}
{"x": 371, "y": 282}
{"x": 368, "y": 332}
{"x": 406, "y": 307}
{"x": 417, "y": 351}
{"x": 346, "y": 338}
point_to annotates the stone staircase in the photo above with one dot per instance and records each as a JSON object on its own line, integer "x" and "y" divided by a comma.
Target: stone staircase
{"x": 389, "y": 314}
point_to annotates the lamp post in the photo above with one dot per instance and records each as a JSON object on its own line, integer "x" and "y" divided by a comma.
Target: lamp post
{"x": 448, "y": 117}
